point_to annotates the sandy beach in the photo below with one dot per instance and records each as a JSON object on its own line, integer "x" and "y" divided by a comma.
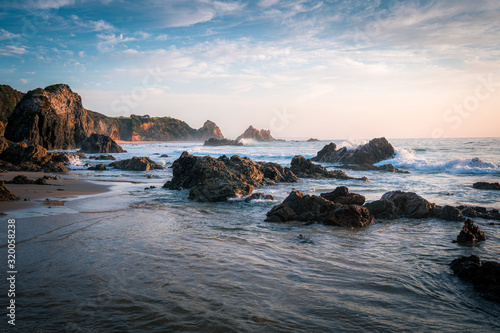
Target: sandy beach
{"x": 55, "y": 190}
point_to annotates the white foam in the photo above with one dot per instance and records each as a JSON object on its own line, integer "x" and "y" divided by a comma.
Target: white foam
{"x": 351, "y": 144}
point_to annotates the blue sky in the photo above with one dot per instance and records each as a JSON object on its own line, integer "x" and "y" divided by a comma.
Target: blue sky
{"x": 326, "y": 69}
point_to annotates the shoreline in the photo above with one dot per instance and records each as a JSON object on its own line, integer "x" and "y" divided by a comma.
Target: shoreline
{"x": 53, "y": 193}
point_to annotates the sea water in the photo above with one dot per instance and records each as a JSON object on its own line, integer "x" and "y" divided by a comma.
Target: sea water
{"x": 136, "y": 259}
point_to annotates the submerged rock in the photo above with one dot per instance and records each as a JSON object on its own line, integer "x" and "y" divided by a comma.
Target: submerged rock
{"x": 103, "y": 158}
{"x": 99, "y": 143}
{"x": 137, "y": 164}
{"x": 484, "y": 276}
{"x": 304, "y": 168}
{"x": 470, "y": 233}
{"x": 6, "y": 194}
{"x": 98, "y": 167}
{"x": 310, "y": 208}
{"x": 222, "y": 142}
{"x": 259, "y": 196}
{"x": 218, "y": 179}
{"x": 373, "y": 152}
{"x": 486, "y": 186}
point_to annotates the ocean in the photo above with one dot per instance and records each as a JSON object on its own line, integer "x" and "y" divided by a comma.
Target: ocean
{"x": 136, "y": 259}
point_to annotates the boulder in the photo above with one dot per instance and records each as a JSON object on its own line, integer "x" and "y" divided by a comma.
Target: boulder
{"x": 486, "y": 186}
{"x": 484, "y": 276}
{"x": 137, "y": 164}
{"x": 449, "y": 213}
{"x": 99, "y": 143}
{"x": 310, "y": 208}
{"x": 373, "y": 152}
{"x": 6, "y": 194}
{"x": 304, "y": 168}
{"x": 342, "y": 196}
{"x": 222, "y": 142}
{"x": 254, "y": 134}
{"x": 478, "y": 211}
{"x": 383, "y": 209}
{"x": 410, "y": 204}
{"x": 21, "y": 157}
{"x": 98, "y": 167}
{"x": 470, "y": 233}
{"x": 259, "y": 196}
{"x": 103, "y": 158}
{"x": 23, "y": 180}
{"x": 218, "y": 179}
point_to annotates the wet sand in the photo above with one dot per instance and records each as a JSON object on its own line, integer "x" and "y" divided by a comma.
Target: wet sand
{"x": 55, "y": 190}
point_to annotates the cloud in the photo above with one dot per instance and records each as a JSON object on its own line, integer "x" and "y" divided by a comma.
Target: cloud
{"x": 162, "y": 37}
{"x": 142, "y": 35}
{"x": 4, "y": 34}
{"x": 99, "y": 25}
{"x": 51, "y": 4}
{"x": 109, "y": 41}
{"x": 268, "y": 3}
{"x": 11, "y": 50}
{"x": 25, "y": 80}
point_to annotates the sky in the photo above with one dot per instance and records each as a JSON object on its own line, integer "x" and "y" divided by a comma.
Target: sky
{"x": 346, "y": 69}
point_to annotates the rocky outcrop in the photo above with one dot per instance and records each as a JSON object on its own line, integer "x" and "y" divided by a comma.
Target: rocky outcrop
{"x": 370, "y": 167}
{"x": 103, "y": 158}
{"x": 6, "y": 194}
{"x": 23, "y": 180}
{"x": 99, "y": 143}
{"x": 311, "y": 208}
{"x": 222, "y": 142}
{"x": 410, "y": 204}
{"x": 209, "y": 130}
{"x": 304, "y": 168}
{"x": 9, "y": 98}
{"x": 448, "y": 213}
{"x": 478, "y": 211}
{"x": 383, "y": 209}
{"x": 137, "y": 164}
{"x": 254, "y": 134}
{"x": 470, "y": 233}
{"x": 21, "y": 157}
{"x": 484, "y": 276}
{"x": 98, "y": 167}
{"x": 342, "y": 196}
{"x": 312, "y": 140}
{"x": 53, "y": 118}
{"x": 259, "y": 196}
{"x": 486, "y": 186}
{"x": 373, "y": 152}
{"x": 218, "y": 179}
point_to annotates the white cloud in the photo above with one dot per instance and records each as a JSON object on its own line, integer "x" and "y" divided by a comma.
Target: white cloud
{"x": 4, "y": 34}
{"x": 109, "y": 41}
{"x": 162, "y": 37}
{"x": 101, "y": 25}
{"x": 52, "y": 4}
{"x": 25, "y": 80}
{"x": 11, "y": 50}
{"x": 268, "y": 3}
{"x": 142, "y": 34}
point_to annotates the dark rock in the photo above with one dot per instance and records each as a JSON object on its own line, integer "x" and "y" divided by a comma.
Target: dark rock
{"x": 99, "y": 143}
{"x": 222, "y": 142}
{"x": 259, "y": 196}
{"x": 484, "y": 276}
{"x": 478, "y": 211}
{"x": 373, "y": 152}
{"x": 312, "y": 140}
{"x": 150, "y": 187}
{"x": 98, "y": 167}
{"x": 21, "y": 157}
{"x": 23, "y": 180}
{"x": 307, "y": 208}
{"x": 9, "y": 98}
{"x": 6, "y": 194}
{"x": 103, "y": 158}
{"x": 342, "y": 196}
{"x": 371, "y": 167}
{"x": 255, "y": 134}
{"x": 304, "y": 168}
{"x": 164, "y": 155}
{"x": 382, "y": 209}
{"x": 470, "y": 233}
{"x": 449, "y": 213}
{"x": 137, "y": 164}
{"x": 210, "y": 179}
{"x": 486, "y": 186}
{"x": 410, "y": 204}
{"x": 40, "y": 181}
{"x": 209, "y": 130}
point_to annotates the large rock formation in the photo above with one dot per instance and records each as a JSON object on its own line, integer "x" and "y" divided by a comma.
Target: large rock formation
{"x": 210, "y": 179}
{"x": 373, "y": 152}
{"x": 254, "y": 134}
{"x": 9, "y": 98}
{"x": 470, "y": 233}
{"x": 137, "y": 164}
{"x": 486, "y": 186}
{"x": 410, "y": 204}
{"x": 484, "y": 276}
{"x": 304, "y": 168}
{"x": 21, "y": 157}
{"x": 222, "y": 142}
{"x": 99, "y": 143}
{"x": 311, "y": 208}
{"x": 53, "y": 118}
{"x": 6, "y": 194}
{"x": 209, "y": 130}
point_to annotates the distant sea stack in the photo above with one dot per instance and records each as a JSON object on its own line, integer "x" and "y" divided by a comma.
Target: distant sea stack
{"x": 255, "y": 134}
{"x": 55, "y": 118}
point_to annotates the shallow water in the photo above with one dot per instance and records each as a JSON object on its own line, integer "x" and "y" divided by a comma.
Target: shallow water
{"x": 136, "y": 260}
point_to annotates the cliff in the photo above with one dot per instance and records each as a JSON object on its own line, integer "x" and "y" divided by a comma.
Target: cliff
{"x": 55, "y": 118}
{"x": 255, "y": 134}
{"x": 9, "y": 97}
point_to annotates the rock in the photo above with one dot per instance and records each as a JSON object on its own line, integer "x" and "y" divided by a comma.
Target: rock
{"x": 218, "y": 179}
{"x": 259, "y": 196}
{"x": 254, "y": 134}
{"x": 137, "y": 164}
{"x": 310, "y": 208}
{"x": 342, "y": 196}
{"x": 449, "y": 213}
{"x": 103, "y": 157}
{"x": 312, "y": 140}
{"x": 98, "y": 167}
{"x": 164, "y": 155}
{"x": 222, "y": 142}
{"x": 484, "y": 276}
{"x": 209, "y": 130}
{"x": 23, "y": 180}
{"x": 21, "y": 157}
{"x": 410, "y": 204}
{"x": 373, "y": 152}
{"x": 478, "y": 211}
{"x": 371, "y": 167}
{"x": 99, "y": 143}
{"x": 470, "y": 233}
{"x": 6, "y": 194}
{"x": 382, "y": 209}
{"x": 486, "y": 186}
{"x": 304, "y": 168}
{"x": 9, "y": 98}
